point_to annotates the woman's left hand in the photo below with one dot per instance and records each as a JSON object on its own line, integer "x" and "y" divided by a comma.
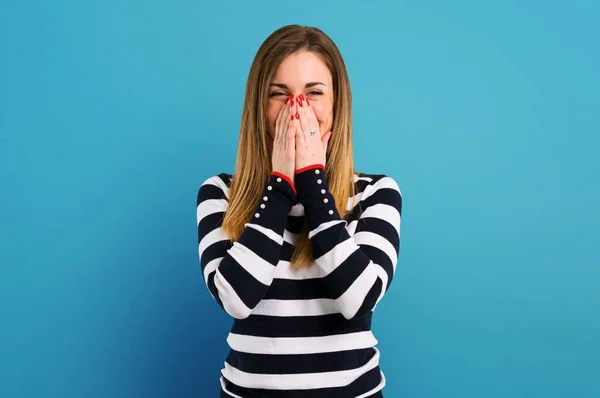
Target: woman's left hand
{"x": 310, "y": 149}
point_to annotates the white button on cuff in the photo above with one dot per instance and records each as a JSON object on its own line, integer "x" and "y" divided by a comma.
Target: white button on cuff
{"x": 330, "y": 211}
{"x": 269, "y": 187}
{"x": 317, "y": 171}
{"x": 278, "y": 179}
{"x": 257, "y": 215}
{"x": 319, "y": 181}
{"x": 262, "y": 206}
{"x": 265, "y": 198}
{"x": 325, "y": 200}
{"x": 323, "y": 191}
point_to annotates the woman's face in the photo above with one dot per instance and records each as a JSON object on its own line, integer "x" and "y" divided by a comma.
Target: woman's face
{"x": 302, "y": 73}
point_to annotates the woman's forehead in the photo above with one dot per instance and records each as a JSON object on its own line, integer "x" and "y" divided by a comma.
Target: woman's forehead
{"x": 301, "y": 68}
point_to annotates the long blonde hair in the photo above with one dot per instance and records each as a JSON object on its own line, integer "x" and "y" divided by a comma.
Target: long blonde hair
{"x": 253, "y": 164}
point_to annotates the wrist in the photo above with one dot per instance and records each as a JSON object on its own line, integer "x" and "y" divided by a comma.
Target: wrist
{"x": 310, "y": 167}
{"x": 312, "y": 184}
{"x": 280, "y": 177}
{"x": 274, "y": 205}
{"x": 314, "y": 195}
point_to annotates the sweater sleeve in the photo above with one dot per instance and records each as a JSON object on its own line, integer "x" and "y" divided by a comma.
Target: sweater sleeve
{"x": 357, "y": 270}
{"x": 239, "y": 273}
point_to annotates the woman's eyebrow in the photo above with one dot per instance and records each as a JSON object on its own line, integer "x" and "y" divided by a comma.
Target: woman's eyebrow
{"x": 307, "y": 85}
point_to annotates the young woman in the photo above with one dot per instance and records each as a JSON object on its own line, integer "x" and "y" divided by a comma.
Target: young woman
{"x": 296, "y": 246}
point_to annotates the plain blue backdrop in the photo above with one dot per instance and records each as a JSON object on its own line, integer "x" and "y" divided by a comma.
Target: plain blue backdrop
{"x": 112, "y": 114}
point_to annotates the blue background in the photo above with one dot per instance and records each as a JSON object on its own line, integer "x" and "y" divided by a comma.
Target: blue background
{"x": 112, "y": 113}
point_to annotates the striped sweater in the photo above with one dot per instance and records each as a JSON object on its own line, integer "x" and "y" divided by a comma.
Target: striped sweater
{"x": 307, "y": 332}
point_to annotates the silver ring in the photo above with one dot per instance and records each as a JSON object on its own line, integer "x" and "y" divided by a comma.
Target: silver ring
{"x": 313, "y": 133}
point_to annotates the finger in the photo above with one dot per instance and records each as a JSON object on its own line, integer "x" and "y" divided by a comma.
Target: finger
{"x": 285, "y": 121}
{"x": 290, "y": 118}
{"x": 311, "y": 118}
{"x": 300, "y": 141}
{"x": 304, "y": 124}
{"x": 311, "y": 115}
{"x": 279, "y": 119}
{"x": 290, "y": 144}
{"x": 281, "y": 116}
{"x": 283, "y": 132}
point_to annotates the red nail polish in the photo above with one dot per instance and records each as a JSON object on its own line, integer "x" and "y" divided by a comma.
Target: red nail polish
{"x": 300, "y": 102}
{"x": 291, "y": 102}
{"x": 297, "y": 116}
{"x": 286, "y": 100}
{"x": 292, "y": 117}
{"x": 308, "y": 103}
{"x": 291, "y": 96}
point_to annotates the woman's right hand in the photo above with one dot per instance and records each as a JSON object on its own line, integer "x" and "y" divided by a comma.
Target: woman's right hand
{"x": 284, "y": 143}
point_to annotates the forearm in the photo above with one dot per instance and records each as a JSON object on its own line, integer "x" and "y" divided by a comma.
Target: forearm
{"x": 240, "y": 277}
{"x": 356, "y": 276}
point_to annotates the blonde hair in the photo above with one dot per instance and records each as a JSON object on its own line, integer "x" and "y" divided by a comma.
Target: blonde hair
{"x": 253, "y": 164}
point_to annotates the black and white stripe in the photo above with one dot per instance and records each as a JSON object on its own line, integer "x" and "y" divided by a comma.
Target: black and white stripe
{"x": 307, "y": 332}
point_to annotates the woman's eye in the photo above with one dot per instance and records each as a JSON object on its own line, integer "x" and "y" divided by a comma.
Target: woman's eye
{"x": 276, "y": 94}
{"x": 315, "y": 93}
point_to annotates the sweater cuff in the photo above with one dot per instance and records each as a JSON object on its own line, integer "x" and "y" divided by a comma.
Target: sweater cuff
{"x": 311, "y": 167}
{"x": 314, "y": 195}
{"x": 274, "y": 205}
{"x": 282, "y": 177}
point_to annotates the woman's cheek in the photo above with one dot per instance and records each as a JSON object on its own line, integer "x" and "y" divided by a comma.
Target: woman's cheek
{"x": 323, "y": 116}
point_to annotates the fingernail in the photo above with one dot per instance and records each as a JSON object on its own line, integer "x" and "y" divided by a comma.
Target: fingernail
{"x": 291, "y": 96}
{"x": 292, "y": 117}
{"x": 286, "y": 100}
{"x": 297, "y": 116}
{"x": 300, "y": 102}
{"x": 307, "y": 102}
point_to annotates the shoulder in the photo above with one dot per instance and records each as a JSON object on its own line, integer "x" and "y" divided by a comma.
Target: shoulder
{"x": 378, "y": 188}
{"x": 372, "y": 182}
{"x": 214, "y": 187}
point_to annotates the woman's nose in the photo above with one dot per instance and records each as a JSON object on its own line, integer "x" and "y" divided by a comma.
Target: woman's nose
{"x": 297, "y": 96}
